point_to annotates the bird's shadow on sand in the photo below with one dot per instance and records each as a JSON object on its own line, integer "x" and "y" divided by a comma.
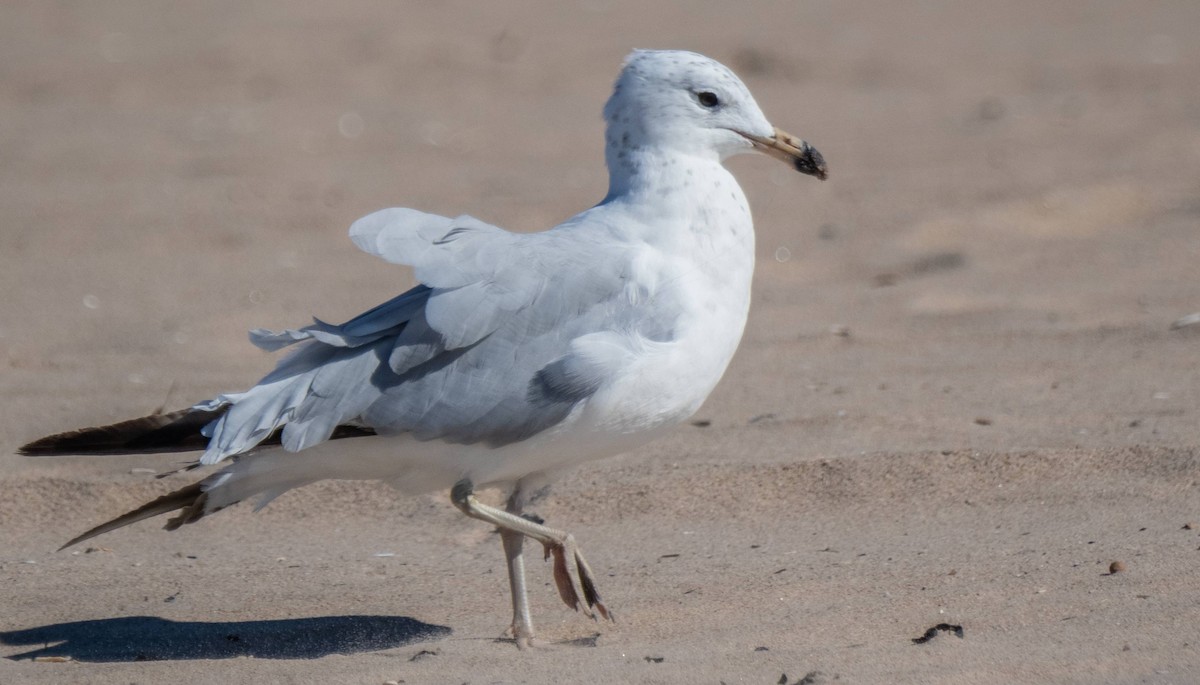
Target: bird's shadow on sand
{"x": 149, "y": 638}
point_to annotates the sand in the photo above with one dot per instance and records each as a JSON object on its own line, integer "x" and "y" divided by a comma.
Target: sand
{"x": 959, "y": 398}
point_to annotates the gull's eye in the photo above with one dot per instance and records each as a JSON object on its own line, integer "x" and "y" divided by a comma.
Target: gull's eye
{"x": 708, "y": 99}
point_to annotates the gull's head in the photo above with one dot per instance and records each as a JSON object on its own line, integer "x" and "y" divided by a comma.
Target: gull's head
{"x": 688, "y": 103}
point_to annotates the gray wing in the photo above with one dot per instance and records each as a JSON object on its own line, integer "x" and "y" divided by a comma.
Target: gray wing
{"x": 504, "y": 336}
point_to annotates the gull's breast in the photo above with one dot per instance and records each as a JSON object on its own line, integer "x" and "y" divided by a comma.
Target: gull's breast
{"x": 702, "y": 282}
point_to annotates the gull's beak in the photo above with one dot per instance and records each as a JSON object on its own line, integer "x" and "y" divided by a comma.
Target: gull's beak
{"x": 787, "y": 147}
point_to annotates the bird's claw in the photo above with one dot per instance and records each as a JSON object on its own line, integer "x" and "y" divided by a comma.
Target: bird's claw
{"x": 574, "y": 579}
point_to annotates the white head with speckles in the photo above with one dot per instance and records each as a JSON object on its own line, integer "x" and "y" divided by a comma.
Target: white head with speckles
{"x": 683, "y": 102}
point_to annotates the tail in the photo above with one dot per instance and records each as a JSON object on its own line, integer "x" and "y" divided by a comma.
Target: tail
{"x": 189, "y": 501}
{"x": 264, "y": 474}
{"x": 177, "y": 431}
{"x": 180, "y": 431}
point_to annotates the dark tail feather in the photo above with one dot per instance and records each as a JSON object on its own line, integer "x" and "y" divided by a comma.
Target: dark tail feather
{"x": 177, "y": 431}
{"x": 189, "y": 499}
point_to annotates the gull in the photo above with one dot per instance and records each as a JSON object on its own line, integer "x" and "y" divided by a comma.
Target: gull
{"x": 517, "y": 355}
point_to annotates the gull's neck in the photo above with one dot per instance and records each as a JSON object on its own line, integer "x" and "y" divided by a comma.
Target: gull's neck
{"x": 657, "y": 170}
{"x": 676, "y": 196}
{"x": 645, "y": 156}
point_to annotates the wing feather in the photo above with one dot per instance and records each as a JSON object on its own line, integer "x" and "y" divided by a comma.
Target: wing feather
{"x": 489, "y": 348}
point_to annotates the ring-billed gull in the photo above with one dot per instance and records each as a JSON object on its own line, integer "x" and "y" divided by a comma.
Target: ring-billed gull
{"x": 518, "y": 354}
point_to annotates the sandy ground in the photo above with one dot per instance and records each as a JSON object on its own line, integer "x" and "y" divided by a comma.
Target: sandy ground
{"x": 959, "y": 398}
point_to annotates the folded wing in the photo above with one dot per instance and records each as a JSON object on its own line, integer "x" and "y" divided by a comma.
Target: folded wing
{"x": 487, "y": 349}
